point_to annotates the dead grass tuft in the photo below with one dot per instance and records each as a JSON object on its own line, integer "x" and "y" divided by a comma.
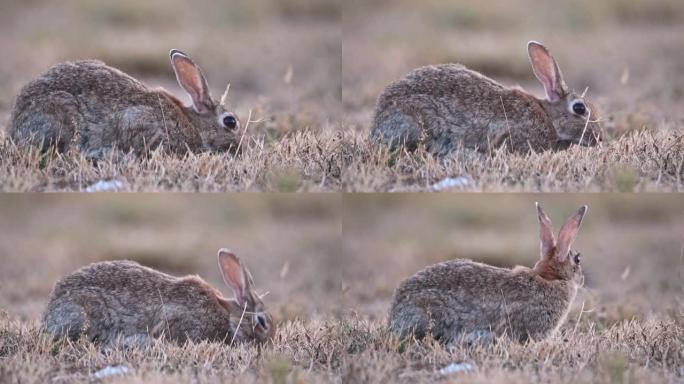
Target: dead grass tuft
{"x": 643, "y": 160}
{"x": 298, "y": 161}
{"x": 359, "y": 350}
{"x": 292, "y": 160}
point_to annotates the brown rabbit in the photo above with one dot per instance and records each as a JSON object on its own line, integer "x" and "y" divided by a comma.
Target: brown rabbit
{"x": 96, "y": 109}
{"x": 123, "y": 301}
{"x": 461, "y": 300}
{"x": 448, "y": 106}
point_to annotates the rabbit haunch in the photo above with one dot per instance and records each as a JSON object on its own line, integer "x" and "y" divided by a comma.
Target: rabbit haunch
{"x": 124, "y": 301}
{"x": 447, "y": 107}
{"x": 101, "y": 111}
{"x": 462, "y": 300}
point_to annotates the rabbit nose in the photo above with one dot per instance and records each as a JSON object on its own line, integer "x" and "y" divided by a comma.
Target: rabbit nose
{"x": 595, "y": 138}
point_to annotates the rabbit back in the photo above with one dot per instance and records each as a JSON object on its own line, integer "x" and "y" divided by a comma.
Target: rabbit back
{"x": 449, "y": 106}
{"x": 461, "y": 299}
{"x": 122, "y": 299}
{"x": 92, "y": 106}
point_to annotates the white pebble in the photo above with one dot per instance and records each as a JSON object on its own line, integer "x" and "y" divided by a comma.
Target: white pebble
{"x": 457, "y": 368}
{"x": 105, "y": 186}
{"x": 451, "y": 182}
{"x": 115, "y": 370}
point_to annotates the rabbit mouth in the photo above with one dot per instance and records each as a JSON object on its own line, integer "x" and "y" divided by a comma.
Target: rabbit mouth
{"x": 566, "y": 143}
{"x": 228, "y": 146}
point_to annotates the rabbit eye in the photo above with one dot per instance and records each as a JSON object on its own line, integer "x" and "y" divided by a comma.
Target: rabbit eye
{"x": 229, "y": 121}
{"x": 579, "y": 108}
{"x": 576, "y": 258}
{"x": 261, "y": 320}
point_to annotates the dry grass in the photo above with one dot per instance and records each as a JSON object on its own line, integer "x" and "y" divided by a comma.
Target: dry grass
{"x": 632, "y": 254}
{"x": 641, "y": 161}
{"x": 625, "y": 52}
{"x": 305, "y": 161}
{"x": 293, "y": 89}
{"x": 358, "y": 351}
{"x": 331, "y": 264}
{"x": 297, "y": 162}
{"x": 316, "y": 97}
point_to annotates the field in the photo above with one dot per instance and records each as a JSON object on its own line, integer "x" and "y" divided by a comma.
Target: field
{"x": 625, "y": 51}
{"x": 625, "y": 326}
{"x": 310, "y": 71}
{"x": 289, "y": 242}
{"x": 304, "y": 77}
{"x": 330, "y": 264}
{"x": 281, "y": 58}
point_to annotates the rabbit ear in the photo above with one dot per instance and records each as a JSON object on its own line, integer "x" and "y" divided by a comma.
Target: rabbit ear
{"x": 547, "y": 242}
{"x": 547, "y": 71}
{"x": 568, "y": 233}
{"x": 234, "y": 275}
{"x": 192, "y": 80}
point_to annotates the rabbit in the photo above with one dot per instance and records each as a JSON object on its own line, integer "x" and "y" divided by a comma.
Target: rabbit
{"x": 462, "y": 301}
{"x": 446, "y": 107}
{"x": 98, "y": 109}
{"x": 122, "y": 301}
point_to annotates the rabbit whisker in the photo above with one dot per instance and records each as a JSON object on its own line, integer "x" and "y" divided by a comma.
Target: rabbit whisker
{"x": 579, "y": 317}
{"x": 244, "y": 309}
{"x": 585, "y": 92}
{"x": 224, "y": 97}
{"x": 264, "y": 294}
{"x": 586, "y": 124}
{"x": 250, "y": 313}
{"x": 249, "y": 120}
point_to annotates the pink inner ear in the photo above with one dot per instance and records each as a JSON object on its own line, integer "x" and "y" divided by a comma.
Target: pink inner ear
{"x": 233, "y": 275}
{"x": 545, "y": 70}
{"x": 547, "y": 243}
{"x": 568, "y": 233}
{"x": 547, "y": 240}
{"x": 190, "y": 78}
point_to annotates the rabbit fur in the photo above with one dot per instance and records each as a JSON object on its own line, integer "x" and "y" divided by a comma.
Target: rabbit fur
{"x": 463, "y": 300}
{"x": 447, "y": 107}
{"x": 101, "y": 111}
{"x": 123, "y": 301}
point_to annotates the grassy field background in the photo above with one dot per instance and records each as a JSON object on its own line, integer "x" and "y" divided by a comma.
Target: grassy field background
{"x": 627, "y": 52}
{"x": 280, "y": 237}
{"x": 281, "y": 58}
{"x": 626, "y": 325}
{"x": 331, "y": 264}
{"x": 311, "y": 70}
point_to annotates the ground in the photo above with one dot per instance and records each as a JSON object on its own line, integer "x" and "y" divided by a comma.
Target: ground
{"x": 281, "y": 58}
{"x": 330, "y": 265}
{"x": 626, "y": 52}
{"x": 310, "y": 72}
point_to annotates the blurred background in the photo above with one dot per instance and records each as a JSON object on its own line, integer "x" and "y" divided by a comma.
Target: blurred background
{"x": 311, "y": 63}
{"x": 290, "y": 243}
{"x": 627, "y": 52}
{"x": 281, "y": 57}
{"x": 329, "y": 254}
{"x": 631, "y": 245}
